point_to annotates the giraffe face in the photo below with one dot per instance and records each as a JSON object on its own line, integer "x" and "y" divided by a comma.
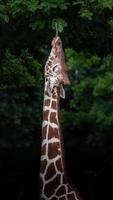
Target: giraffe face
{"x": 56, "y": 69}
{"x": 53, "y": 81}
{"x": 61, "y": 67}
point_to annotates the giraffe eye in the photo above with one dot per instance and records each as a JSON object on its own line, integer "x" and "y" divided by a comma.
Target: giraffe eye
{"x": 54, "y": 68}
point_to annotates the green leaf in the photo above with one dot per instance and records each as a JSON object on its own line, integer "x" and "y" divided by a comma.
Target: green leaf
{"x": 78, "y": 2}
{"x": 60, "y": 23}
{"x": 110, "y": 22}
{"x": 2, "y": 8}
{"x": 85, "y": 13}
{"x": 106, "y": 4}
{"x": 4, "y": 18}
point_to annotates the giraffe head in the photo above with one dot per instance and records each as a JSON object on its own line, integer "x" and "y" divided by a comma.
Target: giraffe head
{"x": 56, "y": 68}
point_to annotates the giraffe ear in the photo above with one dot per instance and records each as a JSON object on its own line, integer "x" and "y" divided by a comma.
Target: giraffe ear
{"x": 62, "y": 92}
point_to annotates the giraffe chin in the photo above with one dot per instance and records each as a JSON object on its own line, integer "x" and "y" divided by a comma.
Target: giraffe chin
{"x": 50, "y": 90}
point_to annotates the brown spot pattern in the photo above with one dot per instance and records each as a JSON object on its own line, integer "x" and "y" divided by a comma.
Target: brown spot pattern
{"x": 41, "y": 184}
{"x": 50, "y": 171}
{"x": 53, "y": 150}
{"x": 53, "y": 132}
{"x": 53, "y": 105}
{"x": 43, "y": 165}
{"x": 53, "y": 117}
{"x": 44, "y": 132}
{"x": 47, "y": 67}
{"x": 59, "y": 165}
{"x": 54, "y": 95}
{"x": 47, "y": 102}
{"x": 71, "y": 197}
{"x": 51, "y": 186}
{"x": 49, "y": 63}
{"x": 69, "y": 188}
{"x": 61, "y": 191}
{"x": 43, "y": 150}
{"x": 45, "y": 115}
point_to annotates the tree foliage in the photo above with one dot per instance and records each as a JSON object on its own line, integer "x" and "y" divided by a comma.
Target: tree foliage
{"x": 91, "y": 104}
{"x": 86, "y": 28}
{"x": 20, "y": 111}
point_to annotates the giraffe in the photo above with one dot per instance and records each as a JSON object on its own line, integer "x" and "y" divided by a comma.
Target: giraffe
{"x": 53, "y": 179}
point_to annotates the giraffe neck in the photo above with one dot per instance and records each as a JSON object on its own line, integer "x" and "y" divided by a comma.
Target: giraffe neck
{"x": 53, "y": 180}
{"x": 51, "y": 138}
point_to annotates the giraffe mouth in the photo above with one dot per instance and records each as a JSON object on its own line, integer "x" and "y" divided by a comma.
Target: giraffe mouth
{"x": 56, "y": 41}
{"x": 65, "y": 80}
